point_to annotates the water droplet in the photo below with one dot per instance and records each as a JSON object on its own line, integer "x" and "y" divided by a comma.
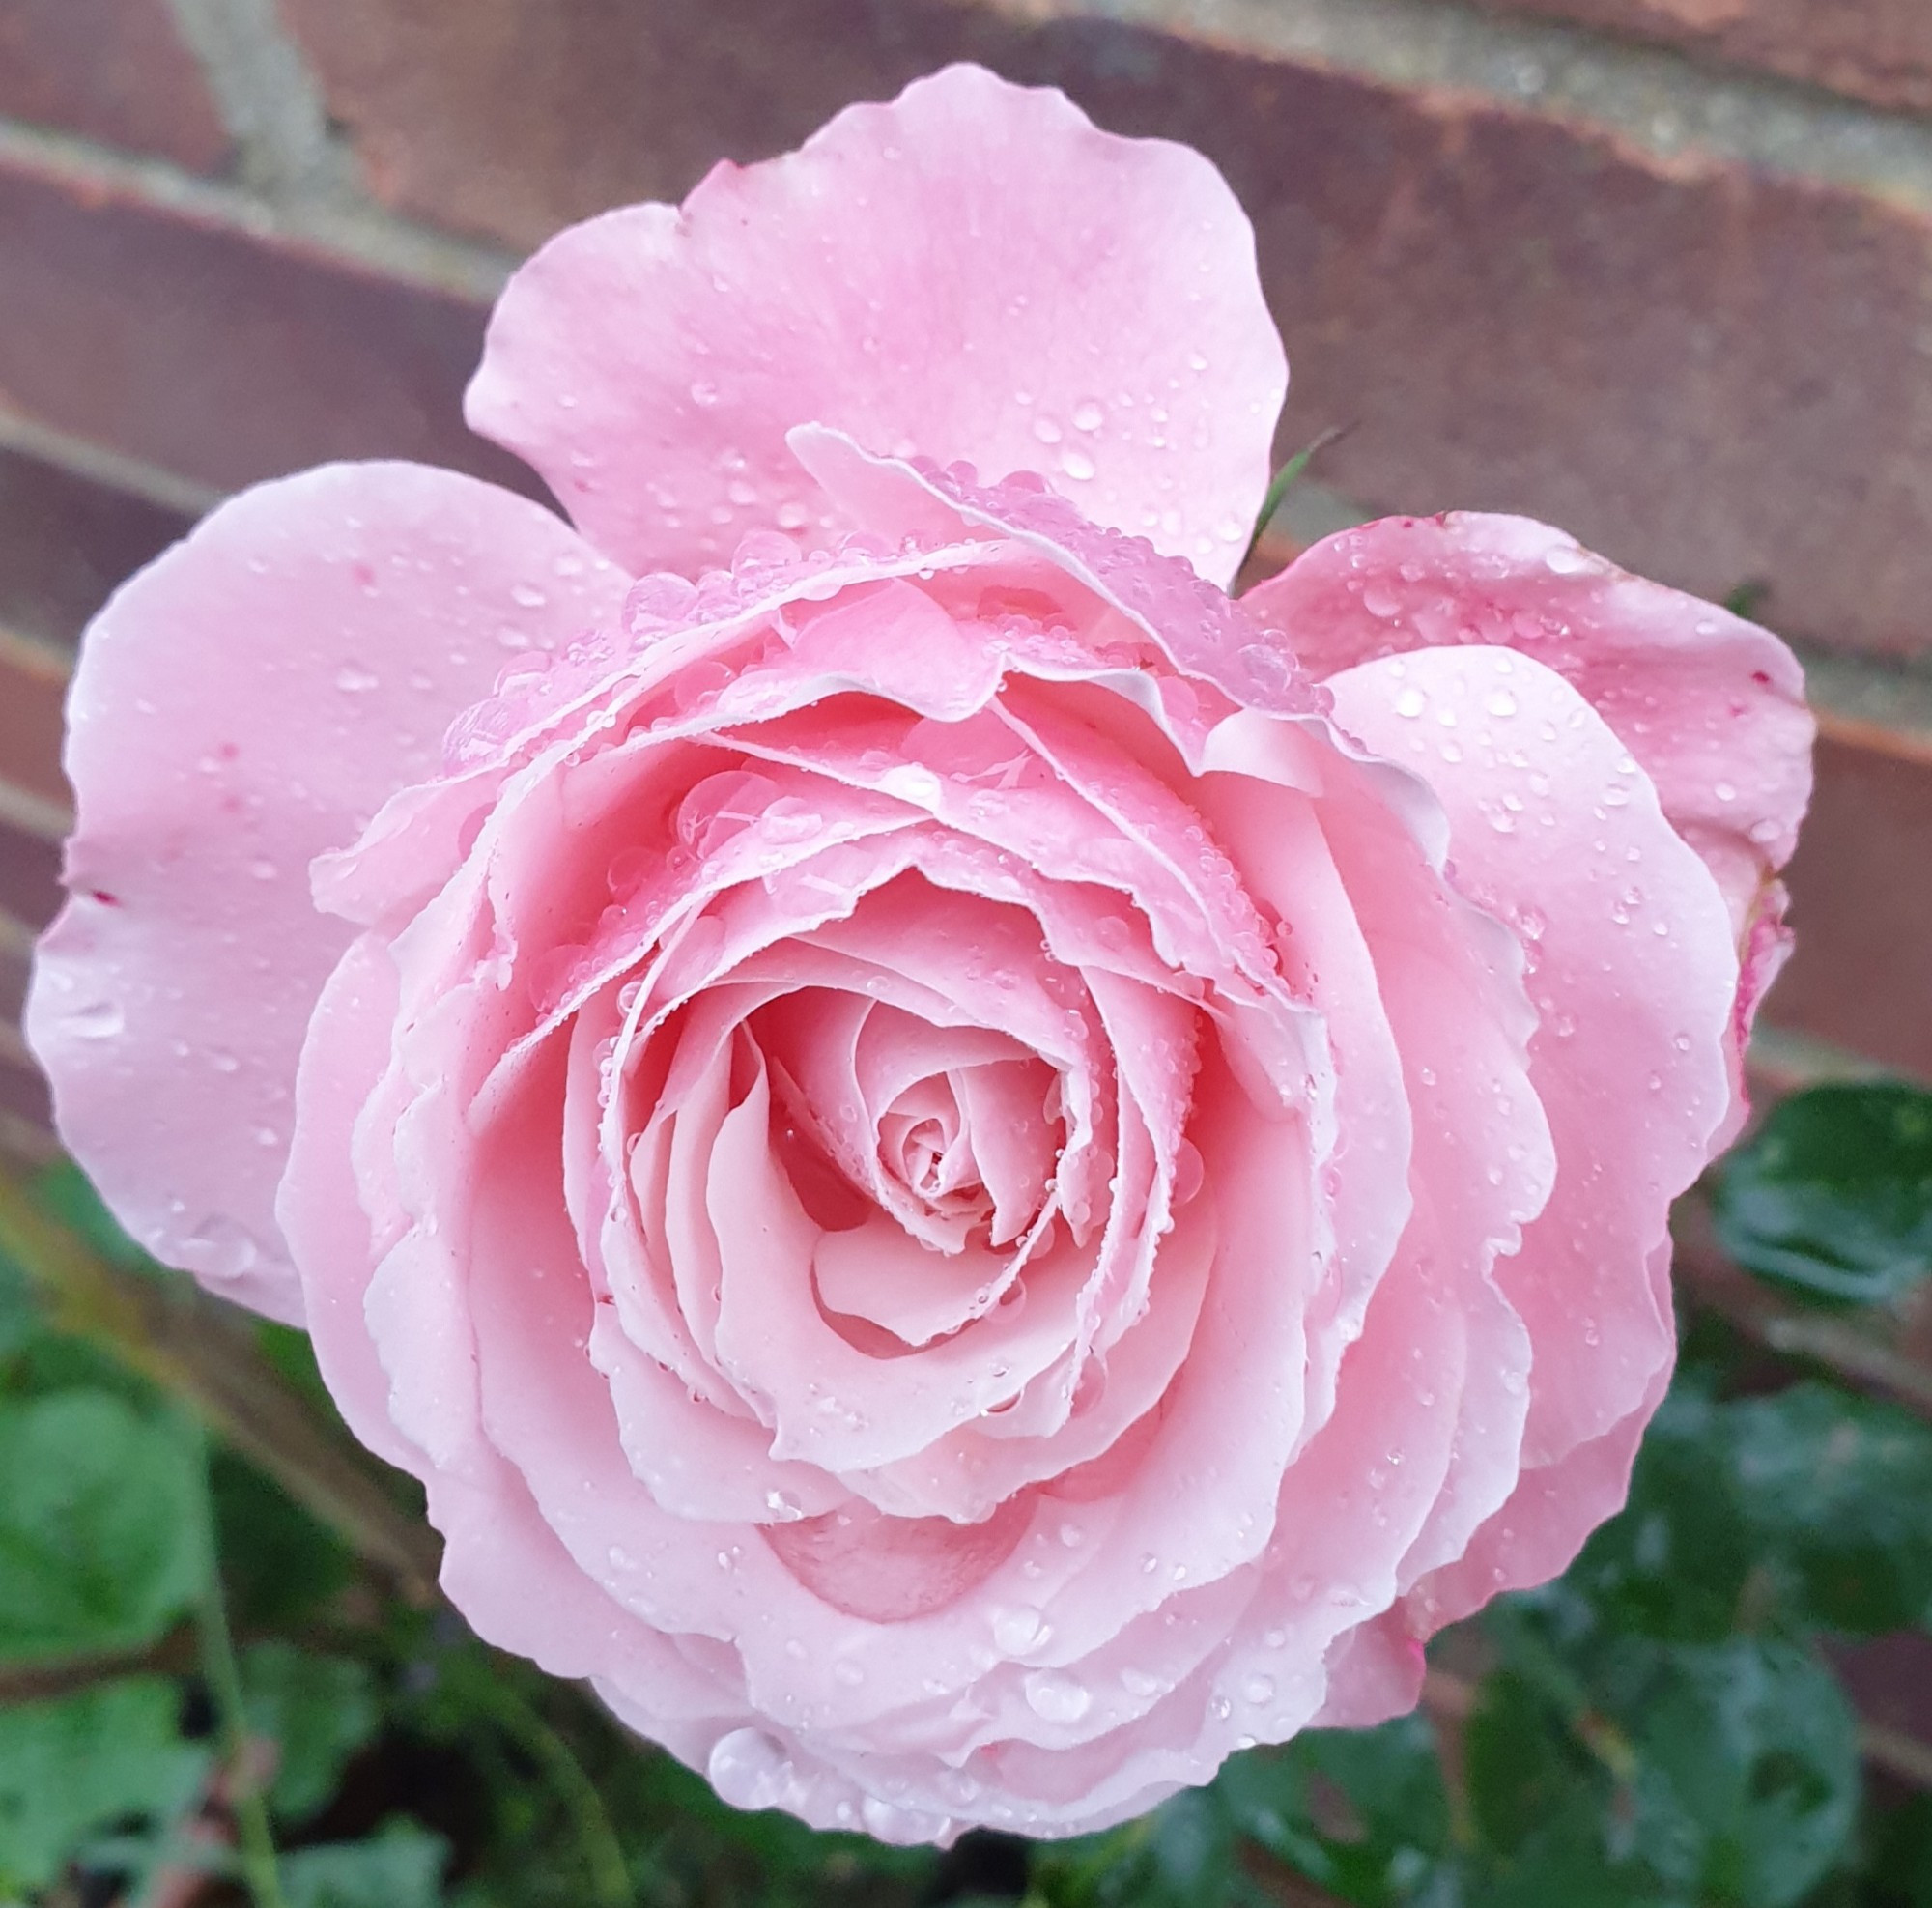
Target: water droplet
{"x": 704, "y": 393}
{"x": 1056, "y": 1696}
{"x": 1259, "y": 1688}
{"x": 847, "y": 1674}
{"x": 1077, "y": 465}
{"x": 527, "y": 596}
{"x": 263, "y": 870}
{"x": 1267, "y": 668}
{"x": 783, "y": 1505}
{"x": 1017, "y": 1630}
{"x": 1046, "y": 430}
{"x": 1088, "y": 415}
{"x": 102, "y": 1020}
{"x": 1410, "y": 702}
{"x": 1567, "y": 560}
{"x": 1139, "y": 1682}
{"x": 750, "y": 1769}
{"x": 354, "y": 680}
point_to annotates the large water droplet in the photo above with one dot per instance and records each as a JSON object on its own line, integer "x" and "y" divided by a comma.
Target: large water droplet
{"x": 1056, "y": 1696}
{"x": 101, "y": 1020}
{"x": 750, "y": 1769}
{"x": 1017, "y": 1630}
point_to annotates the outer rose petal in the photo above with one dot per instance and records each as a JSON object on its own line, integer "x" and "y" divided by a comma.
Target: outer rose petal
{"x": 1711, "y": 706}
{"x": 1633, "y": 974}
{"x": 248, "y": 702}
{"x": 973, "y": 272}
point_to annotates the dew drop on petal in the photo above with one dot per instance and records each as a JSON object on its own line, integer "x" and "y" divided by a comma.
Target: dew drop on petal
{"x": 1056, "y": 1696}
{"x": 1017, "y": 1631}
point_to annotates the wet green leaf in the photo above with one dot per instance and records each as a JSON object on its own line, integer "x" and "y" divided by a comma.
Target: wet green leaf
{"x": 100, "y": 1542}
{"x": 318, "y": 1711}
{"x": 1362, "y": 1812}
{"x": 1675, "y": 1561}
{"x": 1834, "y": 1197}
{"x": 1836, "y": 1491}
{"x": 277, "y": 1561}
{"x": 401, "y": 1867}
{"x": 72, "y": 1768}
{"x": 1750, "y": 1757}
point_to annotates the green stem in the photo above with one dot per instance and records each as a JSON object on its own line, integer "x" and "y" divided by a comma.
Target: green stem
{"x": 256, "y": 1845}
{"x": 603, "y": 1853}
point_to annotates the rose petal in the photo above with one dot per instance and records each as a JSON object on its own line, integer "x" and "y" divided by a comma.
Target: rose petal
{"x": 1711, "y": 706}
{"x": 246, "y": 702}
{"x": 1635, "y": 975}
{"x": 1094, "y": 301}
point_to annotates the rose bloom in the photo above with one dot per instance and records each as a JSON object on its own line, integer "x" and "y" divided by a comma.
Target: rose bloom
{"x": 973, "y": 1173}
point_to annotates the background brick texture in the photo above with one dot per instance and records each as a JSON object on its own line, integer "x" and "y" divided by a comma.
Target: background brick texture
{"x": 1659, "y": 271}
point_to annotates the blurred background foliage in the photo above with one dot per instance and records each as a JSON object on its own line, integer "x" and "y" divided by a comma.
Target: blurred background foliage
{"x": 226, "y": 1678}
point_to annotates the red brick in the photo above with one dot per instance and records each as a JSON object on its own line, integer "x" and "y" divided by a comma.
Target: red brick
{"x": 112, "y": 70}
{"x": 504, "y": 119}
{"x": 65, "y": 542}
{"x": 23, "y": 1095}
{"x": 13, "y": 970}
{"x": 1713, "y": 375}
{"x": 30, "y": 890}
{"x": 30, "y": 725}
{"x": 216, "y": 353}
{"x": 1878, "y": 50}
{"x": 1862, "y": 903}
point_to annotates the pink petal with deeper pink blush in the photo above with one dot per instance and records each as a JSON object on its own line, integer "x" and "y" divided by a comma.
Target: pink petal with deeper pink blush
{"x": 1093, "y": 301}
{"x": 1711, "y": 706}
{"x": 1633, "y": 974}
{"x": 244, "y": 704}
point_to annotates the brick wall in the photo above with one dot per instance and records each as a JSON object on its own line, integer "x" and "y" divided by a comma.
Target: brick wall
{"x": 1659, "y": 271}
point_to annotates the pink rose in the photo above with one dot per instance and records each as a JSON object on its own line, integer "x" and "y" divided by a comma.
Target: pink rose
{"x": 974, "y": 1175}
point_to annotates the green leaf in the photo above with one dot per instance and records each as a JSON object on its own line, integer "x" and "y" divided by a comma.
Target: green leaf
{"x": 318, "y": 1711}
{"x": 1178, "y": 1856}
{"x": 1837, "y": 1490}
{"x": 1808, "y": 1509}
{"x": 73, "y": 1767}
{"x": 1834, "y": 1197}
{"x": 1675, "y": 1561}
{"x": 277, "y": 1561}
{"x": 101, "y": 1541}
{"x": 1530, "y": 1776}
{"x": 19, "y": 1315}
{"x": 1902, "y": 1864}
{"x": 66, "y": 1194}
{"x": 1191, "y": 1850}
{"x": 399, "y": 1866}
{"x": 1361, "y": 1812}
{"x": 1749, "y": 1755}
